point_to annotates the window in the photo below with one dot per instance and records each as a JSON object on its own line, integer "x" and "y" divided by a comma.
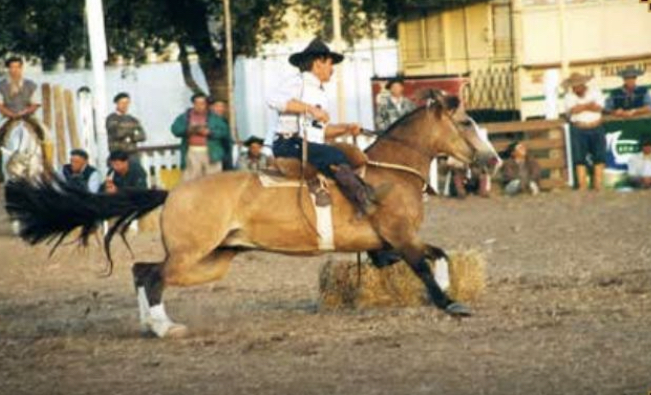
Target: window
{"x": 434, "y": 36}
{"x": 414, "y": 47}
{"x": 502, "y": 47}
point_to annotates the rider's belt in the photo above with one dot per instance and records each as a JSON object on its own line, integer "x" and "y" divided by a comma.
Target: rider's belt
{"x": 588, "y": 125}
{"x": 287, "y": 135}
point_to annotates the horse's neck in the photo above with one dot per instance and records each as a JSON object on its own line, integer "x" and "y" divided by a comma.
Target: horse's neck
{"x": 402, "y": 147}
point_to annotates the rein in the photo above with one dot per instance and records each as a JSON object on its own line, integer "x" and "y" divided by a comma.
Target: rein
{"x": 405, "y": 169}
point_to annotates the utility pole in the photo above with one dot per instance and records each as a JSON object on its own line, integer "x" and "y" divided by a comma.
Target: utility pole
{"x": 338, "y": 44}
{"x": 229, "y": 60}
{"x": 98, "y": 55}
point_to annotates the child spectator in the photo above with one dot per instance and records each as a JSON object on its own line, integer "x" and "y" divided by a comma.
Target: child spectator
{"x": 520, "y": 172}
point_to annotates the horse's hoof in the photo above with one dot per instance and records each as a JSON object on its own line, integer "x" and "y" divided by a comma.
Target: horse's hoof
{"x": 176, "y": 331}
{"x": 456, "y": 309}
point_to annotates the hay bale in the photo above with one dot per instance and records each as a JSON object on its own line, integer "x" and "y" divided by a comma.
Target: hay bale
{"x": 345, "y": 285}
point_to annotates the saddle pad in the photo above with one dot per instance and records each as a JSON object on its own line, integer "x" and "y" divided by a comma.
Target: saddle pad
{"x": 323, "y": 212}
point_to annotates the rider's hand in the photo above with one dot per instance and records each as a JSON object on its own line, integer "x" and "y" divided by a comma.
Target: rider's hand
{"x": 319, "y": 114}
{"x": 354, "y": 129}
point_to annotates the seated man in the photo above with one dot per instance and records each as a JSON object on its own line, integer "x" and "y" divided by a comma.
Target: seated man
{"x": 639, "y": 166}
{"x": 300, "y": 104}
{"x": 79, "y": 174}
{"x": 394, "y": 106}
{"x": 629, "y": 100}
{"x": 520, "y": 172}
{"x": 253, "y": 159}
{"x": 124, "y": 174}
{"x": 16, "y": 92}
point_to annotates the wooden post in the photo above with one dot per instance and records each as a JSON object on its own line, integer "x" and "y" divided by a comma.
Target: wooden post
{"x": 46, "y": 92}
{"x": 71, "y": 119}
{"x": 229, "y": 68}
{"x": 59, "y": 123}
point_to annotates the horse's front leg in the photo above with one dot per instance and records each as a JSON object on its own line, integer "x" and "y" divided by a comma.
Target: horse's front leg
{"x": 400, "y": 234}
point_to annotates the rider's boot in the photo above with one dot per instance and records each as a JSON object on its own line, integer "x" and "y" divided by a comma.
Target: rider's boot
{"x": 364, "y": 197}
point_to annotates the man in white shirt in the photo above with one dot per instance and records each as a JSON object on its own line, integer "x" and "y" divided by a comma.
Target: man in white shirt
{"x": 301, "y": 104}
{"x": 583, "y": 106}
{"x": 639, "y": 166}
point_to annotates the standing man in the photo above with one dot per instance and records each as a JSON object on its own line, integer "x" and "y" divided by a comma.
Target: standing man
{"x": 629, "y": 100}
{"x": 583, "y": 105}
{"x": 203, "y": 138}
{"x": 301, "y": 106}
{"x": 218, "y": 107}
{"x": 394, "y": 106}
{"x": 253, "y": 159}
{"x": 79, "y": 174}
{"x": 124, "y": 130}
{"x": 16, "y": 92}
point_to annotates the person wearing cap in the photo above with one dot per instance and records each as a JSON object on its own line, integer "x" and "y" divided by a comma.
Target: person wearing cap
{"x": 583, "y": 106}
{"x": 204, "y": 138}
{"x": 123, "y": 129}
{"x": 124, "y": 174}
{"x": 520, "y": 171}
{"x": 253, "y": 159}
{"x": 639, "y": 166}
{"x": 393, "y": 106}
{"x": 629, "y": 100}
{"x": 79, "y": 174}
{"x": 300, "y": 105}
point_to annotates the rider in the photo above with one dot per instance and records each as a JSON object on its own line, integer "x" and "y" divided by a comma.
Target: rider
{"x": 301, "y": 104}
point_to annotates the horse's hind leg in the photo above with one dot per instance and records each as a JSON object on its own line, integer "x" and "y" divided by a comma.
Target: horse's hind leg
{"x": 151, "y": 278}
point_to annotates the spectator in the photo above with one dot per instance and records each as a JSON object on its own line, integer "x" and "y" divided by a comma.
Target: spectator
{"x": 583, "y": 105}
{"x": 124, "y": 174}
{"x": 468, "y": 179}
{"x": 520, "y": 171}
{"x": 79, "y": 174}
{"x": 203, "y": 138}
{"x": 639, "y": 166}
{"x": 394, "y": 106}
{"x": 16, "y": 92}
{"x": 124, "y": 130}
{"x": 253, "y": 159}
{"x": 219, "y": 108}
{"x": 629, "y": 100}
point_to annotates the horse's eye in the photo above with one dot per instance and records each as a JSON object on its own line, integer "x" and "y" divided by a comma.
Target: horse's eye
{"x": 465, "y": 123}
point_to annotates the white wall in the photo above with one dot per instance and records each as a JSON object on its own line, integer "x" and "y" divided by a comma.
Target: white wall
{"x": 596, "y": 29}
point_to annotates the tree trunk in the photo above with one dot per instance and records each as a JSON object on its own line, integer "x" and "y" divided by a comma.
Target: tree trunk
{"x": 188, "y": 78}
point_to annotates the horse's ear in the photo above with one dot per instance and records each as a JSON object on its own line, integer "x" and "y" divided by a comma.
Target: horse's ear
{"x": 435, "y": 101}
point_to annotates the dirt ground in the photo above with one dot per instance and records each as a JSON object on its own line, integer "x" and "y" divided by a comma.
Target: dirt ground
{"x": 567, "y": 311}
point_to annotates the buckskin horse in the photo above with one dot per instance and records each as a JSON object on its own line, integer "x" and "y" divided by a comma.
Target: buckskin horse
{"x": 237, "y": 213}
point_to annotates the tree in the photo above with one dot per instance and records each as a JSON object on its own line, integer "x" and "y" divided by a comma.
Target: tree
{"x": 50, "y": 29}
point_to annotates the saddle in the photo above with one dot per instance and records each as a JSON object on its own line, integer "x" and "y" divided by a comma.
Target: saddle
{"x": 287, "y": 172}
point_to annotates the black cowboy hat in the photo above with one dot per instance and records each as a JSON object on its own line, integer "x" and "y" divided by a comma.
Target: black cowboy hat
{"x": 316, "y": 48}
{"x": 253, "y": 140}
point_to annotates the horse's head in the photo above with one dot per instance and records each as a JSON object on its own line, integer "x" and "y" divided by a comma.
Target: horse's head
{"x": 457, "y": 134}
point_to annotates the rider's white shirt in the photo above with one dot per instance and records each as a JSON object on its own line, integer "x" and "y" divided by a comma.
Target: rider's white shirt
{"x": 305, "y": 87}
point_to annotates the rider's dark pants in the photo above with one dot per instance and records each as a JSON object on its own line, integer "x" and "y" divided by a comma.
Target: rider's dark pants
{"x": 321, "y": 156}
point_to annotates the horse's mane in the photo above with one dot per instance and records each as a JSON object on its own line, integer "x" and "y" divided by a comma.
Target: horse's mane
{"x": 399, "y": 122}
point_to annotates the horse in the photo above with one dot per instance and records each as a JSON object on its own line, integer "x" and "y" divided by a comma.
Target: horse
{"x": 239, "y": 214}
{"x": 21, "y": 153}
{"x": 20, "y": 142}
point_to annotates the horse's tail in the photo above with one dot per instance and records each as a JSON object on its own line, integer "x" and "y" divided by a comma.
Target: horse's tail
{"x": 49, "y": 211}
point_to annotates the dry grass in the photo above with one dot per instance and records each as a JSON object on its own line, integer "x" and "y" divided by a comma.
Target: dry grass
{"x": 345, "y": 284}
